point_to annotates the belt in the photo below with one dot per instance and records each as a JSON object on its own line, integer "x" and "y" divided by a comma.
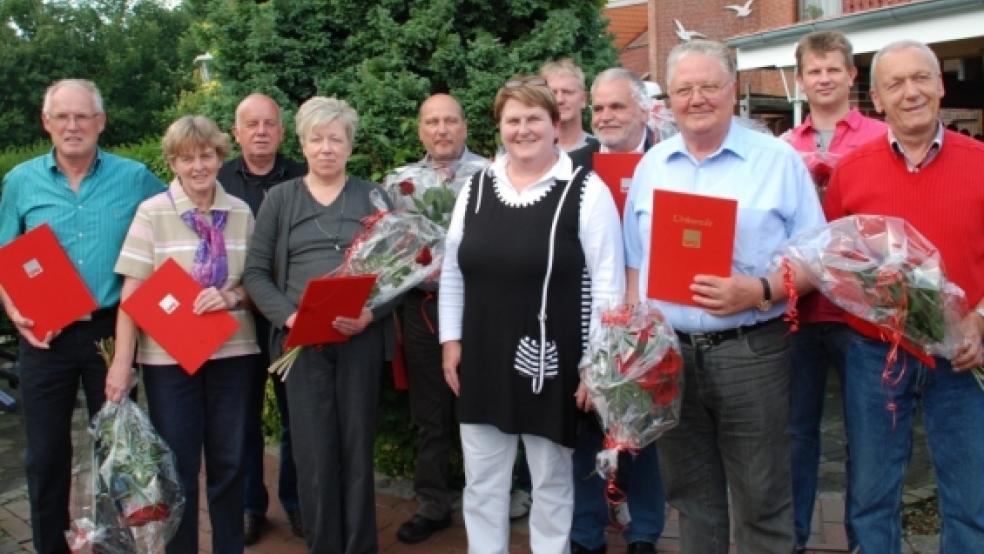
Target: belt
{"x": 714, "y": 338}
{"x": 100, "y": 314}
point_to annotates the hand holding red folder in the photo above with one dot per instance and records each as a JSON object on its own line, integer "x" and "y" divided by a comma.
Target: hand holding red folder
{"x": 325, "y": 299}
{"x": 163, "y": 307}
{"x": 43, "y": 284}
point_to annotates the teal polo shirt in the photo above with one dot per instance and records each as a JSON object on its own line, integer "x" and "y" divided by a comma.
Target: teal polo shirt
{"x": 91, "y": 223}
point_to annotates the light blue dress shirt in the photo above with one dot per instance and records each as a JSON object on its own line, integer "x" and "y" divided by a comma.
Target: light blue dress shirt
{"x": 776, "y": 200}
{"x": 89, "y": 224}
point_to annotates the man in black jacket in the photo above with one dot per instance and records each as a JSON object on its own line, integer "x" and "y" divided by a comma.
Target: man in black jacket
{"x": 259, "y": 131}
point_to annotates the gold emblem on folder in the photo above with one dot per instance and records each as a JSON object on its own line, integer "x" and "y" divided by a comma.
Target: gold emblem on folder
{"x": 691, "y": 238}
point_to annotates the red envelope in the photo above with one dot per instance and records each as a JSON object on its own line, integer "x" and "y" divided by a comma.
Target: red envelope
{"x": 42, "y": 282}
{"x": 162, "y": 307}
{"x": 324, "y": 299}
{"x": 691, "y": 234}
{"x": 616, "y": 170}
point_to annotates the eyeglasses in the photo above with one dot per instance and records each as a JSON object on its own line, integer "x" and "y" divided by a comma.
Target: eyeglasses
{"x": 79, "y": 118}
{"x": 526, "y": 82}
{"x": 705, "y": 90}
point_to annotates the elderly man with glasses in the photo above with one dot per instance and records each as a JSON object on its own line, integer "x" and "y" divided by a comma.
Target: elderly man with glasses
{"x": 733, "y": 432}
{"x": 88, "y": 197}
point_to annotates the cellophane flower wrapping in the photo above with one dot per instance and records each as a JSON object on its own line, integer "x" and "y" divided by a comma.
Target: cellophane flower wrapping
{"x": 135, "y": 497}
{"x": 882, "y": 270}
{"x": 419, "y": 188}
{"x": 402, "y": 249}
{"x": 634, "y": 375}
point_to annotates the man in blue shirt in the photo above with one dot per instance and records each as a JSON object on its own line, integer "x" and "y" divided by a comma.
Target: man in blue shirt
{"x": 733, "y": 432}
{"x": 88, "y": 197}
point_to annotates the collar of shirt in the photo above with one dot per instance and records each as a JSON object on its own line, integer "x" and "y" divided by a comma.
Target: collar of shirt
{"x": 934, "y": 149}
{"x": 852, "y": 120}
{"x": 52, "y": 163}
{"x": 183, "y": 203}
{"x": 276, "y": 174}
{"x": 732, "y": 143}
{"x": 562, "y": 170}
{"x": 640, "y": 148}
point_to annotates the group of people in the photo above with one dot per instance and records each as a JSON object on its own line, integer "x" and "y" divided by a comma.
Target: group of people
{"x": 534, "y": 248}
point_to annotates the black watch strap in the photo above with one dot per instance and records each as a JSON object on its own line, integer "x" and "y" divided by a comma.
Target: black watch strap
{"x": 766, "y": 289}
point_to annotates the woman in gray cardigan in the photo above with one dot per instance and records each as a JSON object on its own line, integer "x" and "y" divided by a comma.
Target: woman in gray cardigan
{"x": 302, "y": 231}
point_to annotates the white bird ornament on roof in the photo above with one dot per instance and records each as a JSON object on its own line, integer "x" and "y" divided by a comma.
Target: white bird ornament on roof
{"x": 684, "y": 34}
{"x": 741, "y": 11}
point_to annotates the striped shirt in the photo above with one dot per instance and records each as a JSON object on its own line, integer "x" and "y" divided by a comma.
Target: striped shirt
{"x": 90, "y": 224}
{"x": 158, "y": 233}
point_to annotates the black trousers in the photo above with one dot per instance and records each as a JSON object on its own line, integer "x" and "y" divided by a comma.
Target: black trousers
{"x": 431, "y": 404}
{"x": 49, "y": 386}
{"x": 333, "y": 394}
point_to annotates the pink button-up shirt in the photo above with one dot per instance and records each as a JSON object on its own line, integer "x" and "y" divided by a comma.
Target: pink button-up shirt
{"x": 849, "y": 133}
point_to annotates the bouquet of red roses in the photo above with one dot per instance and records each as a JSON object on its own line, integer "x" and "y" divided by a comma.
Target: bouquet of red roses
{"x": 880, "y": 269}
{"x": 633, "y": 372}
{"x": 134, "y": 499}
{"x": 419, "y": 188}
{"x": 402, "y": 249}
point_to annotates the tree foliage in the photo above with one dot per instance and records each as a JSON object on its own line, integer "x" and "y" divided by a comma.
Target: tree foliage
{"x": 385, "y": 57}
{"x": 128, "y": 48}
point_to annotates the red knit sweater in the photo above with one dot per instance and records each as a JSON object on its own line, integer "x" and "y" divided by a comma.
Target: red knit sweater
{"x": 944, "y": 200}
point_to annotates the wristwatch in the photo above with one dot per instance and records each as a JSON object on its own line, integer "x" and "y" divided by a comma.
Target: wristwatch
{"x": 766, "y": 303}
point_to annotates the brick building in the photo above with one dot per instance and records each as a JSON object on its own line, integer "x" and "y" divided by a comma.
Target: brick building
{"x": 764, "y": 39}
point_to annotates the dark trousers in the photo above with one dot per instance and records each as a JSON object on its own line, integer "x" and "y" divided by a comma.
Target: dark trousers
{"x": 256, "y": 500}
{"x": 49, "y": 386}
{"x": 431, "y": 404}
{"x": 333, "y": 392}
{"x": 733, "y": 437}
{"x": 205, "y": 411}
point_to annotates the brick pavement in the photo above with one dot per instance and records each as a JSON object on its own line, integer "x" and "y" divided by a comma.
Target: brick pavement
{"x": 395, "y": 504}
{"x": 393, "y": 507}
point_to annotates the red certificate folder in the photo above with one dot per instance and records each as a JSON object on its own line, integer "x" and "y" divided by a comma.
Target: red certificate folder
{"x": 691, "y": 234}
{"x": 616, "y": 169}
{"x": 42, "y": 282}
{"x": 324, "y": 299}
{"x": 162, "y": 307}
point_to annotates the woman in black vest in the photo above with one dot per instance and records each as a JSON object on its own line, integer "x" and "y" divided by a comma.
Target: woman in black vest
{"x": 533, "y": 247}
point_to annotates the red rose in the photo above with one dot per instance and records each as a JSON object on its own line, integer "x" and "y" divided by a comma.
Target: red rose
{"x": 821, "y": 176}
{"x": 424, "y": 256}
{"x": 666, "y": 392}
{"x": 406, "y": 187}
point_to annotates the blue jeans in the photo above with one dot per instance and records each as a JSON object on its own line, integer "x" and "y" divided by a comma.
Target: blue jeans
{"x": 880, "y": 443}
{"x": 205, "y": 411}
{"x": 816, "y": 347}
{"x": 645, "y": 491}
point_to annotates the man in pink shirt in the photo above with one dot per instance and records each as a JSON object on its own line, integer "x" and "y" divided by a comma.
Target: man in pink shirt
{"x": 825, "y": 73}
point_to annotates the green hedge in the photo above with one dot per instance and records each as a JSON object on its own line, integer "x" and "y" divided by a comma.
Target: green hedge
{"x": 147, "y": 152}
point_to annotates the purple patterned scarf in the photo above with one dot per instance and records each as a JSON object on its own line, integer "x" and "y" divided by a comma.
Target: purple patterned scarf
{"x": 211, "y": 266}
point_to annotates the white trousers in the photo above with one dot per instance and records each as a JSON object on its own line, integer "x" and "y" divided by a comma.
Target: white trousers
{"x": 489, "y": 457}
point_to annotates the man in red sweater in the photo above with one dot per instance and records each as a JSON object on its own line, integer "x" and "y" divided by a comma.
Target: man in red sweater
{"x": 924, "y": 174}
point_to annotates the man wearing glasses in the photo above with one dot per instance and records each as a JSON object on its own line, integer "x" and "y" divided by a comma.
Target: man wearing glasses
{"x": 733, "y": 431}
{"x": 88, "y": 197}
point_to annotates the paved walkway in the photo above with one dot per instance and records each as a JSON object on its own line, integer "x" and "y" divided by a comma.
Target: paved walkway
{"x": 395, "y": 504}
